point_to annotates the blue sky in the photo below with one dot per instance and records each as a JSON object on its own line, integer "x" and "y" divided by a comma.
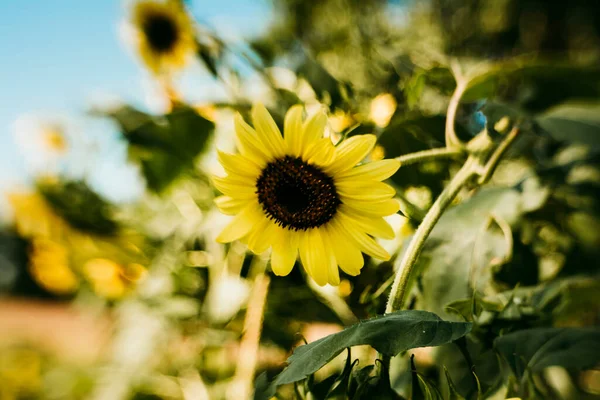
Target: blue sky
{"x": 57, "y": 55}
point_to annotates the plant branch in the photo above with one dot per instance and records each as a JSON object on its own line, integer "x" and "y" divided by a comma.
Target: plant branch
{"x": 452, "y": 141}
{"x": 493, "y": 161}
{"x": 241, "y": 386}
{"x": 401, "y": 281}
{"x": 429, "y": 155}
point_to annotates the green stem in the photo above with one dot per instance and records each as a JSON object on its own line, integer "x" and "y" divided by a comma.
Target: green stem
{"x": 428, "y": 155}
{"x": 452, "y": 141}
{"x": 495, "y": 158}
{"x": 402, "y": 280}
{"x": 400, "y": 287}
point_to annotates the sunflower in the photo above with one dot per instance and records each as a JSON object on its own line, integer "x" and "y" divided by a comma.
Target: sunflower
{"x": 164, "y": 34}
{"x": 300, "y": 194}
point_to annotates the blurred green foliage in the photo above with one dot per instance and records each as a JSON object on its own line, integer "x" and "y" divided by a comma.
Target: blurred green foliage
{"x": 516, "y": 260}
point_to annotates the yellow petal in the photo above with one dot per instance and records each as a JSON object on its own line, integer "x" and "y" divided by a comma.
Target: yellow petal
{"x": 312, "y": 131}
{"x": 292, "y": 130}
{"x": 365, "y": 242}
{"x": 229, "y": 205}
{"x": 351, "y": 152}
{"x": 374, "y": 226}
{"x": 312, "y": 254}
{"x": 268, "y": 132}
{"x": 380, "y": 208}
{"x": 364, "y": 191}
{"x": 285, "y": 250}
{"x": 333, "y": 274}
{"x": 321, "y": 152}
{"x": 241, "y": 224}
{"x": 234, "y": 188}
{"x": 260, "y": 237}
{"x": 238, "y": 165}
{"x": 377, "y": 170}
{"x": 248, "y": 143}
{"x": 347, "y": 255}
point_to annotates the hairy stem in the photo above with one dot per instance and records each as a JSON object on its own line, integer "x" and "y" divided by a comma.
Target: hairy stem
{"x": 495, "y": 158}
{"x": 400, "y": 287}
{"x": 428, "y": 155}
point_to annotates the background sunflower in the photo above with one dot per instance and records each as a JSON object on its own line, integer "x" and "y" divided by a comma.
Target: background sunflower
{"x": 164, "y": 34}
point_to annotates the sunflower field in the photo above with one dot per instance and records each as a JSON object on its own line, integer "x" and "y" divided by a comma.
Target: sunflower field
{"x": 363, "y": 199}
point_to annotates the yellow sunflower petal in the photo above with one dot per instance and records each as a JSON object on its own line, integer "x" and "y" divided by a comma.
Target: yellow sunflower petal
{"x": 285, "y": 250}
{"x": 241, "y": 224}
{"x": 292, "y": 130}
{"x": 333, "y": 274}
{"x": 348, "y": 257}
{"x": 374, "y": 226}
{"x": 234, "y": 188}
{"x": 376, "y": 170}
{"x": 312, "y": 254}
{"x": 312, "y": 131}
{"x": 238, "y": 165}
{"x": 229, "y": 205}
{"x": 365, "y": 191}
{"x": 261, "y": 236}
{"x": 380, "y": 208}
{"x": 321, "y": 153}
{"x": 248, "y": 144}
{"x": 268, "y": 132}
{"x": 365, "y": 242}
{"x": 351, "y": 152}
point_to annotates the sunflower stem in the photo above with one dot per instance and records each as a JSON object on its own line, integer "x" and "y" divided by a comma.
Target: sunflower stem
{"x": 452, "y": 141}
{"x": 403, "y": 275}
{"x": 429, "y": 155}
{"x": 476, "y": 166}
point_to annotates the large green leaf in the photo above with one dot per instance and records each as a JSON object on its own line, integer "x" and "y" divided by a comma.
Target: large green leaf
{"x": 389, "y": 334}
{"x": 448, "y": 258}
{"x": 166, "y": 146}
{"x": 535, "y": 349}
{"x": 579, "y": 123}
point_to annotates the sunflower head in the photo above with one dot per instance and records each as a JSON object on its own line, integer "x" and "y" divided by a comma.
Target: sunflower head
{"x": 164, "y": 33}
{"x": 299, "y": 194}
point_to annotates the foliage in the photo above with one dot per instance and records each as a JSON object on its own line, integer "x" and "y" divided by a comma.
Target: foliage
{"x": 492, "y": 288}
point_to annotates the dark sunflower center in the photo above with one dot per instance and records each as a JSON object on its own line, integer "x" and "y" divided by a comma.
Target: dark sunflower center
{"x": 296, "y": 194}
{"x": 161, "y": 32}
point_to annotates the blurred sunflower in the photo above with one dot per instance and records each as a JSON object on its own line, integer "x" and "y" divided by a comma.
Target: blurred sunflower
{"x": 33, "y": 216}
{"x": 110, "y": 279}
{"x": 164, "y": 34}
{"x": 49, "y": 265}
{"x": 298, "y": 193}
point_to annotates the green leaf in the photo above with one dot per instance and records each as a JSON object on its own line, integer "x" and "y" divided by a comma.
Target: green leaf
{"x": 83, "y": 208}
{"x": 579, "y": 123}
{"x": 535, "y": 349}
{"x": 328, "y": 89}
{"x": 409, "y": 134}
{"x": 165, "y": 147}
{"x": 438, "y": 77}
{"x": 422, "y": 389}
{"x": 373, "y": 387}
{"x": 452, "y": 392}
{"x": 454, "y": 255}
{"x": 536, "y": 86}
{"x": 389, "y": 334}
